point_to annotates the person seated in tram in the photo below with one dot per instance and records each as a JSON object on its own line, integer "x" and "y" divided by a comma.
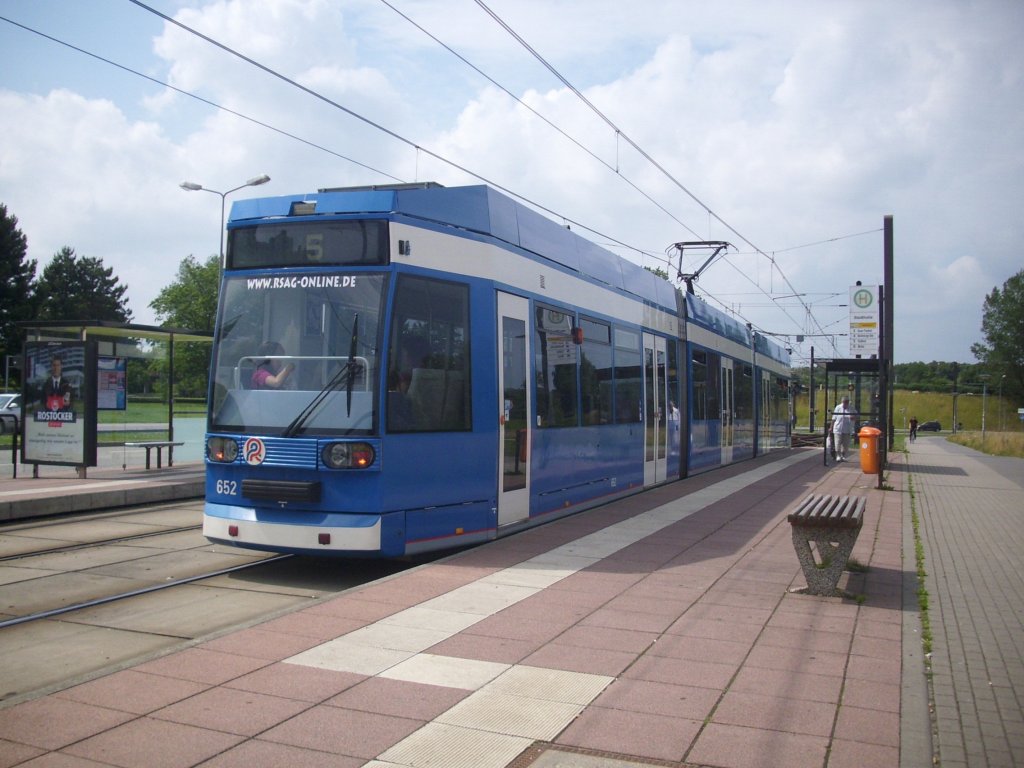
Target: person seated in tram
{"x": 272, "y": 373}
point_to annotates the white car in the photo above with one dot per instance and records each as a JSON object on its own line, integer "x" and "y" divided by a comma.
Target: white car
{"x": 10, "y": 406}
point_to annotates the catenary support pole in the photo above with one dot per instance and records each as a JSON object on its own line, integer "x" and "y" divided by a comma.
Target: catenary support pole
{"x": 887, "y": 310}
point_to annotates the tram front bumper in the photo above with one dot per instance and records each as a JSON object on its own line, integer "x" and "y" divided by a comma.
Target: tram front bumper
{"x": 333, "y": 533}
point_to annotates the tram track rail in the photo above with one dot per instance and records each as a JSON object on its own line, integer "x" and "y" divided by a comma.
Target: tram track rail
{"x": 97, "y": 543}
{"x": 54, "y": 612}
{"x": 86, "y": 595}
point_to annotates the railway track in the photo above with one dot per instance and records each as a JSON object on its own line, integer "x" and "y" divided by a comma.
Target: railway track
{"x": 21, "y": 557}
{"x": 83, "y": 596}
{"x": 54, "y": 612}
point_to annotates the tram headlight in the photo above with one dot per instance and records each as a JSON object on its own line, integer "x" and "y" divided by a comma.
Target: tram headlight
{"x": 348, "y": 455}
{"x": 222, "y": 449}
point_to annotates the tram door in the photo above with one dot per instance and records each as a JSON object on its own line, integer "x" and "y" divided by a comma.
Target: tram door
{"x": 656, "y": 406}
{"x": 728, "y": 410}
{"x": 765, "y": 421}
{"x": 513, "y": 408}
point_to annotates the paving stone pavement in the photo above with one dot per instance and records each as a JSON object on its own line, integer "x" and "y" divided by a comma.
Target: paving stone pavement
{"x": 675, "y": 609}
{"x": 971, "y": 511}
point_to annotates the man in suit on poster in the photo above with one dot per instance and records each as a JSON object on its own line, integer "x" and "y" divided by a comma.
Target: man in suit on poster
{"x": 56, "y": 388}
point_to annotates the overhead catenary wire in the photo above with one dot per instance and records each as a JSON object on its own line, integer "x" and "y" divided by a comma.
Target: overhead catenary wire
{"x": 625, "y": 137}
{"x": 418, "y": 148}
{"x": 579, "y": 144}
{"x": 539, "y": 116}
{"x": 373, "y": 124}
{"x": 311, "y": 144}
{"x": 198, "y": 98}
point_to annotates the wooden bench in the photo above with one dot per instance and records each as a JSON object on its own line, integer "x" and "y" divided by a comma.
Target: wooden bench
{"x": 149, "y": 445}
{"x": 831, "y": 524}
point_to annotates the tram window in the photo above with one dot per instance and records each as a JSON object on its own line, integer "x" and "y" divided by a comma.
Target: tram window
{"x": 714, "y": 391}
{"x": 780, "y": 404}
{"x": 428, "y": 364}
{"x": 673, "y": 380}
{"x": 706, "y": 368}
{"x": 596, "y": 372}
{"x": 699, "y": 384}
{"x": 745, "y": 394}
{"x": 628, "y": 377}
{"x": 555, "y": 352}
{"x": 627, "y": 339}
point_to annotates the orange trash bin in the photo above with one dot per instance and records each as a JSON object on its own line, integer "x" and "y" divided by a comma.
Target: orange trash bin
{"x": 869, "y": 458}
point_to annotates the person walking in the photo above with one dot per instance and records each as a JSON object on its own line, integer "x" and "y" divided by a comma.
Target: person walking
{"x": 842, "y": 428}
{"x": 913, "y": 428}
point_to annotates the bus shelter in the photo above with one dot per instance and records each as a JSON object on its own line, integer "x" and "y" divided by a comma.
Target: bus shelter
{"x": 860, "y": 380}
{"x": 72, "y": 369}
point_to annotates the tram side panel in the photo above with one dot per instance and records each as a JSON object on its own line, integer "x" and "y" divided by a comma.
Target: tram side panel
{"x": 774, "y": 415}
{"x": 588, "y": 435}
{"x": 580, "y": 451}
{"x": 439, "y": 411}
{"x": 721, "y": 408}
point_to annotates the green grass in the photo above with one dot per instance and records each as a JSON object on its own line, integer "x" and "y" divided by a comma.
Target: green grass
{"x": 993, "y": 443}
{"x": 930, "y": 406}
{"x": 856, "y": 566}
{"x": 149, "y": 412}
{"x": 922, "y": 591}
{"x": 137, "y": 412}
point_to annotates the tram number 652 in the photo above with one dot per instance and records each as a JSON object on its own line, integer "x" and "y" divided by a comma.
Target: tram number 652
{"x": 227, "y": 487}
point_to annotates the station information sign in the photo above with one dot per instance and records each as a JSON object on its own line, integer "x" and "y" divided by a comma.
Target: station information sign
{"x": 865, "y": 335}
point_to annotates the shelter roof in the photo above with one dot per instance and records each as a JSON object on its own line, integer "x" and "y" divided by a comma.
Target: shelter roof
{"x": 110, "y": 328}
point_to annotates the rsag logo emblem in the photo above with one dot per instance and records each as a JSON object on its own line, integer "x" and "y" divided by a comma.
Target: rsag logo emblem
{"x": 254, "y": 451}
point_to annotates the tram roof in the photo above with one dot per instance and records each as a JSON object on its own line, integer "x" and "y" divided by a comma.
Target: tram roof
{"x": 771, "y": 349}
{"x": 703, "y": 314}
{"x": 480, "y": 209}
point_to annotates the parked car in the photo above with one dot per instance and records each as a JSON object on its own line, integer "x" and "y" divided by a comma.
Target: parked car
{"x": 10, "y": 405}
{"x": 930, "y": 426}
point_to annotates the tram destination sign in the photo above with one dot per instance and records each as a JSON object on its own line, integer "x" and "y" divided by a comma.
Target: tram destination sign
{"x": 864, "y": 320}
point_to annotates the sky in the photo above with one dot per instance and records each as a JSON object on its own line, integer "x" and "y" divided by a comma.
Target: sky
{"x": 788, "y": 129}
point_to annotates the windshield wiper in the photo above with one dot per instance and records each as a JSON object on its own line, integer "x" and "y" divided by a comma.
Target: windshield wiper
{"x": 345, "y": 377}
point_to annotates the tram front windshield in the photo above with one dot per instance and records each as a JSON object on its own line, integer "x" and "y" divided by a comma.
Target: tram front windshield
{"x": 296, "y": 353}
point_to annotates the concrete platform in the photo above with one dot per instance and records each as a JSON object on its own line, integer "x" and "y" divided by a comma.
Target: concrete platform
{"x": 663, "y": 629}
{"x": 120, "y": 479}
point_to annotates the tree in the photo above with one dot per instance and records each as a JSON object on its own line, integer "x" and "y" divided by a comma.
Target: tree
{"x": 1002, "y": 324}
{"x": 16, "y": 283}
{"x": 80, "y": 288}
{"x": 662, "y": 273}
{"x": 190, "y": 302}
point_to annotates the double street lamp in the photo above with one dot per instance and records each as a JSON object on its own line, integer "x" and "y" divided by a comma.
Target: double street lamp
{"x": 193, "y": 187}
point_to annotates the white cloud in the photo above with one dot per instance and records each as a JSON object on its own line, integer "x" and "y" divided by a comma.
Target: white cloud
{"x": 794, "y": 124}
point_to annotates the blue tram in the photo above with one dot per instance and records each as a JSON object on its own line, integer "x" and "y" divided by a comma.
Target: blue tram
{"x": 411, "y": 368}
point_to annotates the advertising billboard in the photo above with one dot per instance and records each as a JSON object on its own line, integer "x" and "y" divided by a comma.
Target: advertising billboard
{"x": 59, "y": 393}
{"x": 111, "y": 383}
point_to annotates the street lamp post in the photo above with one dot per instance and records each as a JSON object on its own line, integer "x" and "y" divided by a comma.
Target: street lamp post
{"x": 193, "y": 187}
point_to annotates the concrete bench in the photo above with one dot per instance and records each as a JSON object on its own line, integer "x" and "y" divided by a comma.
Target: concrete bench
{"x": 149, "y": 445}
{"x": 831, "y": 524}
